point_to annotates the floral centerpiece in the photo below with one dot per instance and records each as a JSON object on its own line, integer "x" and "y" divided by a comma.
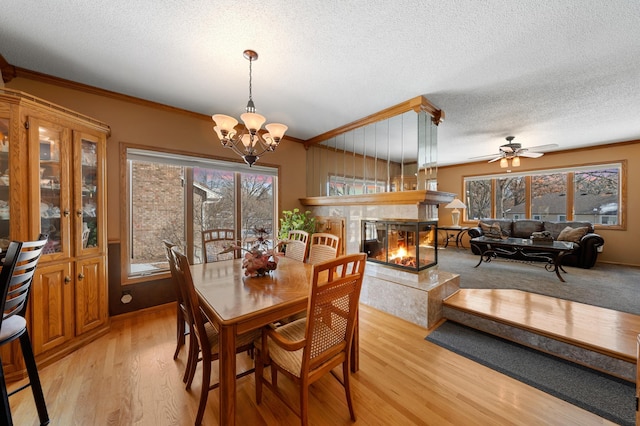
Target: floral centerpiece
{"x": 260, "y": 259}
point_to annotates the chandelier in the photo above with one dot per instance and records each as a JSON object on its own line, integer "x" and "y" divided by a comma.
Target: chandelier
{"x": 249, "y": 143}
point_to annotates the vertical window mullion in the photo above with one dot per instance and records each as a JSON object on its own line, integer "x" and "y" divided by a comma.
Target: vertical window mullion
{"x": 188, "y": 212}
{"x": 570, "y": 195}
{"x": 237, "y": 182}
{"x": 527, "y": 197}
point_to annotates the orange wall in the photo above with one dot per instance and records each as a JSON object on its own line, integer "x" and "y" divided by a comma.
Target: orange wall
{"x": 620, "y": 245}
{"x": 144, "y": 125}
{"x": 157, "y": 128}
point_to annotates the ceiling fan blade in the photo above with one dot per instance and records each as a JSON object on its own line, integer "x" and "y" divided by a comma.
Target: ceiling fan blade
{"x": 484, "y": 157}
{"x": 530, "y": 154}
{"x": 506, "y": 149}
{"x": 495, "y": 159}
{"x": 543, "y": 147}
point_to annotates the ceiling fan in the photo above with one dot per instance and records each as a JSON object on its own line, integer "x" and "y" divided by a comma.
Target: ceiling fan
{"x": 513, "y": 151}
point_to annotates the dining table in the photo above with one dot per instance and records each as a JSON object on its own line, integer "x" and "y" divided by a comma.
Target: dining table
{"x": 236, "y": 303}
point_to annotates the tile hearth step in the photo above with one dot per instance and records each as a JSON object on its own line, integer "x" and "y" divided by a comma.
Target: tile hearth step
{"x": 596, "y": 337}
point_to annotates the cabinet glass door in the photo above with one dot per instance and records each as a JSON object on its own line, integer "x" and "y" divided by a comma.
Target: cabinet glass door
{"x": 52, "y": 203}
{"x": 89, "y": 201}
{"x": 4, "y": 184}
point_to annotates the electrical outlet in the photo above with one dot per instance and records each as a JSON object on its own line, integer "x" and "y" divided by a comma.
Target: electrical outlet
{"x": 126, "y": 297}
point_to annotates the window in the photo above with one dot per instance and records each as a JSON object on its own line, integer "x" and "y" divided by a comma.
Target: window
{"x": 510, "y": 196}
{"x": 176, "y": 197}
{"x": 478, "y": 194}
{"x": 597, "y": 195}
{"x": 548, "y": 195}
{"x": 585, "y": 193}
{"x": 341, "y": 185}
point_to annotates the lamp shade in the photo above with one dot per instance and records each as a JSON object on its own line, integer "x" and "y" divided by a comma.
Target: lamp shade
{"x": 224, "y": 122}
{"x": 276, "y": 130}
{"x": 456, "y": 204}
{"x": 253, "y": 121}
{"x": 515, "y": 162}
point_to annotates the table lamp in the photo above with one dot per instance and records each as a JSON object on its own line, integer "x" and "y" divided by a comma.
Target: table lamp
{"x": 455, "y": 213}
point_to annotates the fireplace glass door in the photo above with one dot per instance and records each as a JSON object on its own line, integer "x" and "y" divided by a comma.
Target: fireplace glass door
{"x": 401, "y": 243}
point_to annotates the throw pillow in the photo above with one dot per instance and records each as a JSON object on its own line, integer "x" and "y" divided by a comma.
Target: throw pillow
{"x": 491, "y": 231}
{"x": 572, "y": 234}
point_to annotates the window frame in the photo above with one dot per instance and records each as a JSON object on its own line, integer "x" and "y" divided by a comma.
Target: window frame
{"x": 570, "y": 171}
{"x": 132, "y": 151}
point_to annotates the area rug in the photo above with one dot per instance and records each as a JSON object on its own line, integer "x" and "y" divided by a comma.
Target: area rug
{"x": 601, "y": 394}
{"x": 609, "y": 286}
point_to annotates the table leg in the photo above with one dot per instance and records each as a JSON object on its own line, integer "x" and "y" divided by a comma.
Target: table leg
{"x": 557, "y": 262}
{"x": 459, "y": 238}
{"x": 227, "y": 365}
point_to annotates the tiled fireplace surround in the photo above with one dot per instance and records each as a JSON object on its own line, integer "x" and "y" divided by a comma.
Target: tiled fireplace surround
{"x": 415, "y": 297}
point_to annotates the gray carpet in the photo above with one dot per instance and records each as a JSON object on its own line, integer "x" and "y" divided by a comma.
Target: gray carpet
{"x": 604, "y": 395}
{"x": 609, "y": 286}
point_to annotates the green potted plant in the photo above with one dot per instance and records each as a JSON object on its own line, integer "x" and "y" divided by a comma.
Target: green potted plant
{"x": 295, "y": 220}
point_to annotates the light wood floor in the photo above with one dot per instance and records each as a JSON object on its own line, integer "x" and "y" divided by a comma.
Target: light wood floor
{"x": 128, "y": 377}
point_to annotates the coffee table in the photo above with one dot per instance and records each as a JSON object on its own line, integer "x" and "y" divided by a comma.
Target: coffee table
{"x": 524, "y": 249}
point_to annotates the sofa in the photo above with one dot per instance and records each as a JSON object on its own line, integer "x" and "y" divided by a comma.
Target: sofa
{"x": 584, "y": 256}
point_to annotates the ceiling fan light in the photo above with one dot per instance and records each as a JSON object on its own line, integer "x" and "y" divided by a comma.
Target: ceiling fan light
{"x": 504, "y": 163}
{"x": 515, "y": 162}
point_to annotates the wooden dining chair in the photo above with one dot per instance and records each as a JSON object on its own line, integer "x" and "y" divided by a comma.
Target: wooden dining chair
{"x": 205, "y": 331}
{"x": 182, "y": 328}
{"x": 296, "y": 247}
{"x": 215, "y": 241}
{"x": 323, "y": 247}
{"x": 308, "y": 348}
{"x": 16, "y": 278}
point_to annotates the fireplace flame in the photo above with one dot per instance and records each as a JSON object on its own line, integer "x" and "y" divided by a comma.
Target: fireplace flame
{"x": 401, "y": 252}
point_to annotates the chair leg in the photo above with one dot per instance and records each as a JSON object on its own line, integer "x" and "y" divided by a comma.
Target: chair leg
{"x": 180, "y": 331}
{"x": 34, "y": 378}
{"x": 346, "y": 374}
{"x": 5, "y": 409}
{"x": 304, "y": 402}
{"x": 259, "y": 375}
{"x": 192, "y": 360}
{"x": 274, "y": 376}
{"x": 204, "y": 391}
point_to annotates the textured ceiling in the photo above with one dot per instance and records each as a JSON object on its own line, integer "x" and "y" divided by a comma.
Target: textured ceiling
{"x": 563, "y": 72}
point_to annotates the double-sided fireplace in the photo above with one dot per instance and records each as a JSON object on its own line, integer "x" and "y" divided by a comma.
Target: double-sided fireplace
{"x": 407, "y": 244}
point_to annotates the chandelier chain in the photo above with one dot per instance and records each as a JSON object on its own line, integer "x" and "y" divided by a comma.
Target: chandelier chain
{"x": 250, "y": 80}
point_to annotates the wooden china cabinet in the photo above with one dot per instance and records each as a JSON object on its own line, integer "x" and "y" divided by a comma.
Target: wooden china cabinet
{"x": 52, "y": 180}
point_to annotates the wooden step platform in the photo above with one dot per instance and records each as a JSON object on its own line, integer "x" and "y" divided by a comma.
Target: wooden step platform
{"x": 599, "y": 338}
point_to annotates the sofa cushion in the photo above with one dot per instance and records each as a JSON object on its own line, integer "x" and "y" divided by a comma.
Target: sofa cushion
{"x": 572, "y": 234}
{"x": 505, "y": 225}
{"x": 491, "y": 230}
{"x": 556, "y": 227}
{"x": 524, "y": 228}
